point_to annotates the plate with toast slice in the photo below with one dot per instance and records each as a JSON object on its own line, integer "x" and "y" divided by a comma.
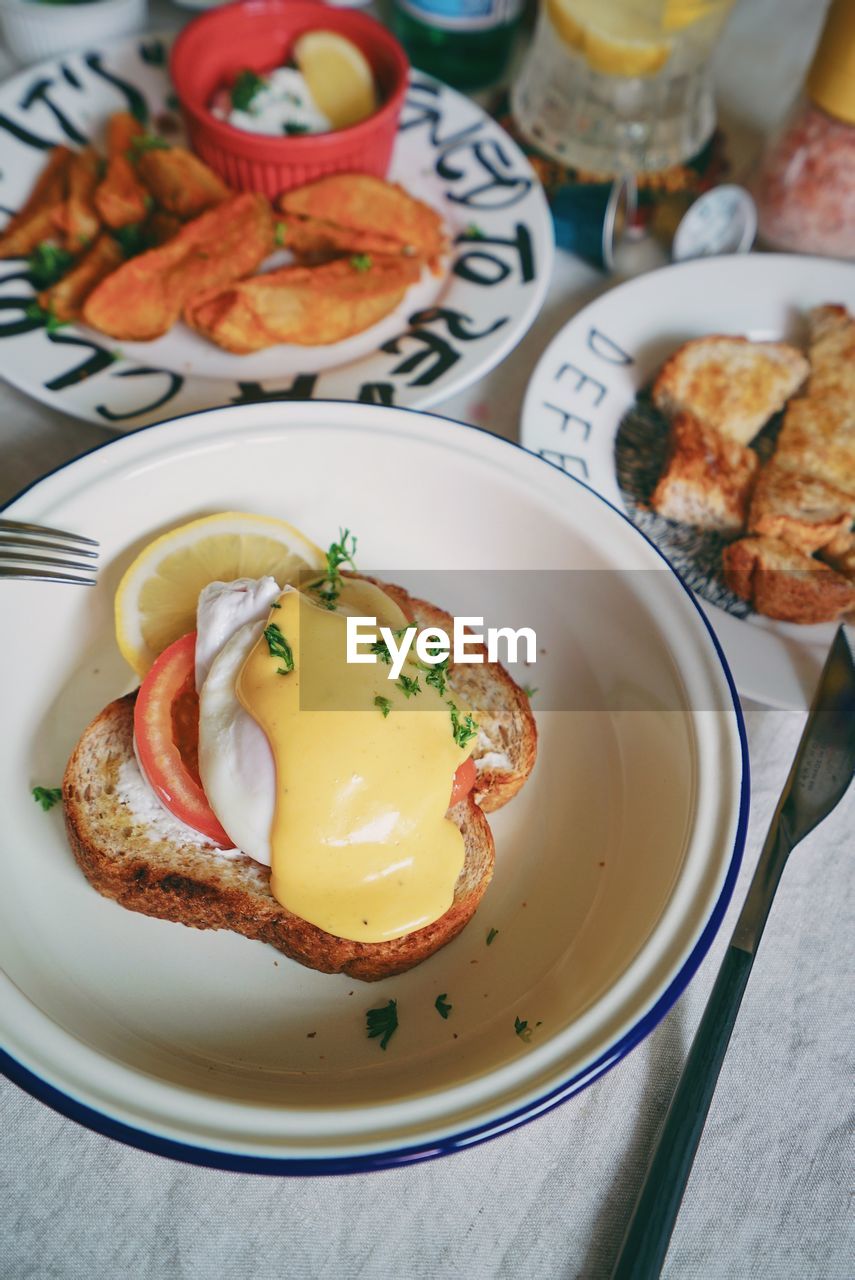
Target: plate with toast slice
{"x": 212, "y": 956}
{"x": 135, "y": 285}
{"x": 713, "y": 401}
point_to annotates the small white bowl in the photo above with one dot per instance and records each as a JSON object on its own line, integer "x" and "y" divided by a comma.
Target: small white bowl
{"x": 33, "y": 30}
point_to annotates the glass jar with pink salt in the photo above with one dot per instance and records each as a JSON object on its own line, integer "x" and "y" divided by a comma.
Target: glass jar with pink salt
{"x": 805, "y": 188}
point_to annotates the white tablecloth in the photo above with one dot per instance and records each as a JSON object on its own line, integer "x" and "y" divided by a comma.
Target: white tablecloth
{"x": 770, "y": 1192}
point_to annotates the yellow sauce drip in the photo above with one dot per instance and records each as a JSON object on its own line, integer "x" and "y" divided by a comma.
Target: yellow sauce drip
{"x": 360, "y": 843}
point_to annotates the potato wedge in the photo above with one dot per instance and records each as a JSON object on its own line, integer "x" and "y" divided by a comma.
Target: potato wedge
{"x": 145, "y": 296}
{"x": 180, "y": 182}
{"x": 371, "y": 206}
{"x": 121, "y": 199}
{"x": 77, "y": 218}
{"x": 65, "y": 299}
{"x": 34, "y": 221}
{"x": 313, "y": 241}
{"x": 308, "y": 306}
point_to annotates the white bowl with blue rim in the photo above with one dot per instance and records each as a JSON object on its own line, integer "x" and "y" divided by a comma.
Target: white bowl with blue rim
{"x": 614, "y": 865}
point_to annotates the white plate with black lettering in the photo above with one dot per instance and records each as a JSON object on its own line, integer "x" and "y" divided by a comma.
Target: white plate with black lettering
{"x": 585, "y": 411}
{"x": 449, "y": 330}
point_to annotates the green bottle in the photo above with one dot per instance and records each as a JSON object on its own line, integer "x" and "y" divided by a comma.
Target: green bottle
{"x": 466, "y": 43}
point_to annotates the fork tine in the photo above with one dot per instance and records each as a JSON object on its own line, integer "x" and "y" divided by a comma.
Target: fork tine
{"x": 48, "y": 562}
{"x": 44, "y": 575}
{"x": 23, "y": 527}
{"x": 8, "y": 539}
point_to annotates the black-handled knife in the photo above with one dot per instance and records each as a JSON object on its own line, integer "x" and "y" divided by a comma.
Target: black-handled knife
{"x": 820, "y": 774}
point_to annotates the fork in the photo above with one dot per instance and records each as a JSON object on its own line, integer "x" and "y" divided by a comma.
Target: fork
{"x": 28, "y": 551}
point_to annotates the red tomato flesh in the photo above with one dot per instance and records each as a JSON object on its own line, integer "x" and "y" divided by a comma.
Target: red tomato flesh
{"x": 464, "y": 781}
{"x": 166, "y": 729}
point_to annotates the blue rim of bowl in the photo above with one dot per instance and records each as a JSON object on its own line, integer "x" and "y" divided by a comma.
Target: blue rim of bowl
{"x": 289, "y": 1166}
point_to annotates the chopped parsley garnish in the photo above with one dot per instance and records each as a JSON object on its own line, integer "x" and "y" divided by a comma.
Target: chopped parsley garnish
{"x": 491, "y": 936}
{"x": 437, "y": 676}
{"x": 275, "y": 605}
{"x": 474, "y": 232}
{"x": 529, "y": 690}
{"x": 463, "y": 731}
{"x": 47, "y": 264}
{"x": 382, "y": 1022}
{"x": 342, "y": 552}
{"x": 409, "y": 685}
{"x": 47, "y": 797}
{"x": 522, "y": 1029}
{"x": 279, "y": 233}
{"x": 381, "y": 648}
{"x": 294, "y": 127}
{"x": 245, "y": 89}
{"x": 361, "y": 262}
{"x": 148, "y": 142}
{"x": 442, "y": 1006}
{"x": 279, "y": 648}
{"x": 385, "y": 704}
{"x": 45, "y": 316}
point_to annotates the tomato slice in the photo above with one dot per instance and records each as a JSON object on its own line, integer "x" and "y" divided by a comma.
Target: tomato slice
{"x": 464, "y": 781}
{"x": 166, "y": 730}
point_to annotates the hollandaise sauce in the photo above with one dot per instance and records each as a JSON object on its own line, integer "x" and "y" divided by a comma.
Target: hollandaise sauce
{"x": 360, "y": 843}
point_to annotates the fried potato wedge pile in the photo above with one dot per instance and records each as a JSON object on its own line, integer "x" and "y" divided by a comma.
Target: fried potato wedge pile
{"x": 132, "y": 241}
{"x": 308, "y": 306}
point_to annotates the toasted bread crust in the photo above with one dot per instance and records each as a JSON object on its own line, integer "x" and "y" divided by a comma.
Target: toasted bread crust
{"x": 730, "y": 383}
{"x": 124, "y": 858}
{"x": 784, "y": 583}
{"x": 708, "y": 479}
{"x": 802, "y": 510}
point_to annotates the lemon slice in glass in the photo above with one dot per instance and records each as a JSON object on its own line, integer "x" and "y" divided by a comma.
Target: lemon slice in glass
{"x": 624, "y": 41}
{"x": 156, "y": 599}
{"x": 339, "y": 78}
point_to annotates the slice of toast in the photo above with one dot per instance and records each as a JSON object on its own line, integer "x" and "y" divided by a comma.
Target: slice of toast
{"x": 840, "y": 554}
{"x": 799, "y": 509}
{"x": 818, "y": 439}
{"x": 155, "y": 865}
{"x": 127, "y": 857}
{"x": 730, "y": 383}
{"x": 707, "y": 480}
{"x": 782, "y": 582}
{"x": 832, "y": 354}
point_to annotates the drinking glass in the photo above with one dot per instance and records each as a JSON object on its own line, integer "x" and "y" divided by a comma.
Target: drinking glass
{"x": 611, "y": 86}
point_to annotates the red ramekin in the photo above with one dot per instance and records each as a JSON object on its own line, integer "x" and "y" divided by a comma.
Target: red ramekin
{"x": 259, "y": 35}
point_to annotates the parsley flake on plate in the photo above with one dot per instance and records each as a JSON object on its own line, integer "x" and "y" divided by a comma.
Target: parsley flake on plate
{"x": 47, "y": 797}
{"x": 382, "y": 1022}
{"x": 442, "y": 1006}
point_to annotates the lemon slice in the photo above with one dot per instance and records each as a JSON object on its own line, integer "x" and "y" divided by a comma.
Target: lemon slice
{"x": 679, "y": 14}
{"x": 339, "y": 78}
{"x": 156, "y": 599}
{"x": 623, "y": 43}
